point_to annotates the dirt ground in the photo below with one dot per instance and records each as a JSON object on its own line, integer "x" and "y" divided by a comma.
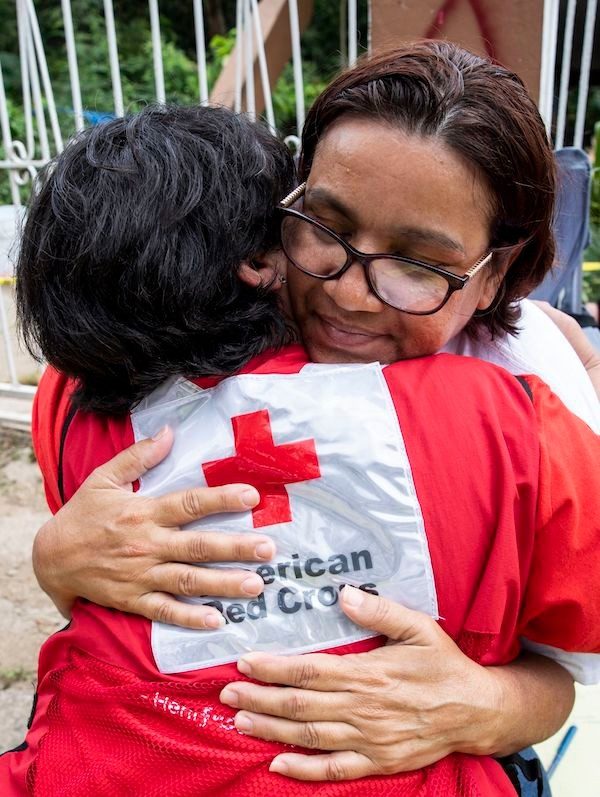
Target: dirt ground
{"x": 27, "y": 615}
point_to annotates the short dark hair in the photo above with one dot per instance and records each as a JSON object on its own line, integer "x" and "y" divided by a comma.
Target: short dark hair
{"x": 482, "y": 112}
{"x": 128, "y": 267}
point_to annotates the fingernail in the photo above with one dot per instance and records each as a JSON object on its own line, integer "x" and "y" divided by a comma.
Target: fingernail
{"x": 250, "y": 498}
{"x": 264, "y": 550}
{"x": 243, "y": 723}
{"x": 229, "y": 696}
{"x": 161, "y": 433}
{"x": 214, "y": 620}
{"x": 279, "y": 766}
{"x": 253, "y": 585}
{"x": 244, "y": 667}
{"x": 352, "y": 596}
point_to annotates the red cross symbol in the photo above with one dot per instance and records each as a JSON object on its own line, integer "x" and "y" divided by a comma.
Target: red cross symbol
{"x": 264, "y": 465}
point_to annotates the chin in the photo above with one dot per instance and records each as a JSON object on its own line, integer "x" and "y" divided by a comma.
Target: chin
{"x": 325, "y": 354}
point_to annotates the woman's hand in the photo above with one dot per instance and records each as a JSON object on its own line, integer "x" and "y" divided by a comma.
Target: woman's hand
{"x": 395, "y": 708}
{"x": 117, "y": 548}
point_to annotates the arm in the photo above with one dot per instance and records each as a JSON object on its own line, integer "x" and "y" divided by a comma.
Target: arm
{"x": 586, "y": 352}
{"x": 403, "y": 706}
{"x": 137, "y": 559}
{"x": 412, "y": 702}
{"x": 440, "y": 701}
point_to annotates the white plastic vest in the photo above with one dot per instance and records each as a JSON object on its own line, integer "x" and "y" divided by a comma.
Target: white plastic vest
{"x": 325, "y": 449}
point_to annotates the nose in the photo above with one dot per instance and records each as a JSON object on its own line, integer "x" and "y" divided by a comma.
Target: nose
{"x": 351, "y": 291}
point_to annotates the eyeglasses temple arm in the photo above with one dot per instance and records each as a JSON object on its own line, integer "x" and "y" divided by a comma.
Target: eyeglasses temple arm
{"x": 479, "y": 265}
{"x": 293, "y": 197}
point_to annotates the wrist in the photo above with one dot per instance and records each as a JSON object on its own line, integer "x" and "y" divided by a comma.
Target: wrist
{"x": 502, "y": 736}
{"x": 529, "y": 700}
{"x": 487, "y": 725}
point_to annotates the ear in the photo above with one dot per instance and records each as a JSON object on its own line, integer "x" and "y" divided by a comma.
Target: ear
{"x": 250, "y": 275}
{"x": 266, "y": 271}
{"x": 492, "y": 281}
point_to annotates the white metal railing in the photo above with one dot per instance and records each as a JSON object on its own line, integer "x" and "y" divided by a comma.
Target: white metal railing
{"x": 42, "y": 136}
{"x": 555, "y": 117}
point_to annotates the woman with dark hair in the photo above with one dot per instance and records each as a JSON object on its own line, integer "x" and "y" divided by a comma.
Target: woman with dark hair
{"x": 445, "y": 242}
{"x": 418, "y": 112}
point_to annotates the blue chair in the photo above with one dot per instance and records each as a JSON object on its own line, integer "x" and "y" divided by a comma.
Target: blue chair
{"x": 562, "y": 287}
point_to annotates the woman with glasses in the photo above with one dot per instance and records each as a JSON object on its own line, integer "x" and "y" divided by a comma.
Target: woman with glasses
{"x": 412, "y": 286}
{"x": 405, "y": 234}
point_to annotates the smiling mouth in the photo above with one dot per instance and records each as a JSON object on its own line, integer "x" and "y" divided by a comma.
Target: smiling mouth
{"x": 344, "y": 336}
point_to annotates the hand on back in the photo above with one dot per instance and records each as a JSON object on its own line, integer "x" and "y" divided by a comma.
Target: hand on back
{"x": 127, "y": 556}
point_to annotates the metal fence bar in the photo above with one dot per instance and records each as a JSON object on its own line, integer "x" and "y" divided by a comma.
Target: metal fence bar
{"x": 159, "y": 76}
{"x": 548, "y": 61}
{"x": 584, "y": 75}
{"x": 72, "y": 61}
{"x": 544, "y": 59}
{"x": 37, "y": 98}
{"x": 7, "y": 141}
{"x": 10, "y": 358}
{"x": 19, "y": 163}
{"x": 249, "y": 53}
{"x": 297, "y": 65}
{"x": 564, "y": 74}
{"x": 200, "y": 51}
{"x": 262, "y": 63}
{"x": 43, "y": 67}
{"x": 113, "y": 54}
{"x": 25, "y": 82}
{"x": 352, "y": 32}
{"x": 239, "y": 54}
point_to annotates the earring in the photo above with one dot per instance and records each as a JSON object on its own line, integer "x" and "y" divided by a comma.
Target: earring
{"x": 282, "y": 279}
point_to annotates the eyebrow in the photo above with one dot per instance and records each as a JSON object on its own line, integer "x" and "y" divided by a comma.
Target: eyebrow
{"x": 416, "y": 234}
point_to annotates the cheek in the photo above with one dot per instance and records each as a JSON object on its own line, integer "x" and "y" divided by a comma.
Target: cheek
{"x": 302, "y": 291}
{"x": 419, "y": 336}
{"x": 284, "y": 301}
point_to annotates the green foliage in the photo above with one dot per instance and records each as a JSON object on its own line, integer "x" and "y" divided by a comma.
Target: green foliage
{"x": 17, "y": 119}
{"x": 322, "y": 57}
{"x": 591, "y": 286}
{"x": 219, "y": 49}
{"x": 595, "y": 197}
{"x": 284, "y": 96}
{"x": 591, "y": 279}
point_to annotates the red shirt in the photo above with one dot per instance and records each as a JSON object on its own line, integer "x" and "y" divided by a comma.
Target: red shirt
{"x": 510, "y": 496}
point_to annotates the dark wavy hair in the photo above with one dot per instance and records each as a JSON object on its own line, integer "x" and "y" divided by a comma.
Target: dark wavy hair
{"x": 483, "y": 113}
{"x": 128, "y": 267}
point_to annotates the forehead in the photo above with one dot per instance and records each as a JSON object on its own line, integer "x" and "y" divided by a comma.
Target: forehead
{"x": 382, "y": 176}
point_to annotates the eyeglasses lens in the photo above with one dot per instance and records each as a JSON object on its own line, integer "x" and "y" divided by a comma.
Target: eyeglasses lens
{"x": 311, "y": 248}
{"x": 399, "y": 283}
{"x": 406, "y": 286}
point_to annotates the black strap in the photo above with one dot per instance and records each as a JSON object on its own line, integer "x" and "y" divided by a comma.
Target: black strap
{"x": 529, "y": 769}
{"x": 61, "y": 450}
{"x": 525, "y": 385}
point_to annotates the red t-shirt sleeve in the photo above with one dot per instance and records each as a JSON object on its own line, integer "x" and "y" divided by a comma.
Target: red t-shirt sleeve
{"x": 561, "y": 606}
{"x": 50, "y": 408}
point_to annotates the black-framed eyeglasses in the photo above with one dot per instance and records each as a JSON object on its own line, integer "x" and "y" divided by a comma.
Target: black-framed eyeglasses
{"x": 401, "y": 282}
